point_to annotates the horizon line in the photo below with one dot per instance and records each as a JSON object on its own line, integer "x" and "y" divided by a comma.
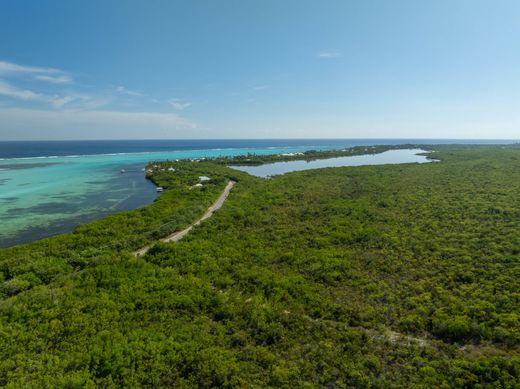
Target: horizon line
{"x": 249, "y": 139}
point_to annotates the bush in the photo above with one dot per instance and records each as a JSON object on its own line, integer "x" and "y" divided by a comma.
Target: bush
{"x": 14, "y": 286}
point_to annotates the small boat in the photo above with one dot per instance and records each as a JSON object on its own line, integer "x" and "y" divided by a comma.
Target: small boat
{"x": 123, "y": 171}
{"x": 159, "y": 189}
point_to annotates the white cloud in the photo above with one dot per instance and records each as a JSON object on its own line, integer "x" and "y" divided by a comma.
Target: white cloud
{"x": 17, "y": 93}
{"x": 61, "y": 79}
{"x": 30, "y": 105}
{"x": 329, "y": 54}
{"x": 261, "y": 87}
{"x": 58, "y": 102}
{"x": 179, "y": 104}
{"x": 73, "y": 101}
{"x": 14, "y": 92}
{"x": 123, "y": 90}
{"x": 52, "y": 75}
{"x": 85, "y": 102}
{"x": 10, "y": 67}
{"x": 21, "y": 123}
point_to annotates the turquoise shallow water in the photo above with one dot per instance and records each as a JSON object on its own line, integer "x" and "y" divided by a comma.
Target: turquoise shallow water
{"x": 45, "y": 196}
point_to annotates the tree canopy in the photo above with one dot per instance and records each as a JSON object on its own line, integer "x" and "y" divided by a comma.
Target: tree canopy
{"x": 374, "y": 276}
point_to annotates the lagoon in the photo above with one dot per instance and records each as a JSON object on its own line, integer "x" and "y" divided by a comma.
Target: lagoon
{"x": 387, "y": 157}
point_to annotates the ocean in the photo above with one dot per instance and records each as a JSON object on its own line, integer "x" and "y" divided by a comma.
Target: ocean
{"x": 50, "y": 187}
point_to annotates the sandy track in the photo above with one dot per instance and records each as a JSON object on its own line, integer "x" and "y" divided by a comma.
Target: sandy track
{"x": 176, "y": 236}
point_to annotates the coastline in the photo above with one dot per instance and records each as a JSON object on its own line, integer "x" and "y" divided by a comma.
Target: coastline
{"x": 256, "y": 160}
{"x": 63, "y": 193}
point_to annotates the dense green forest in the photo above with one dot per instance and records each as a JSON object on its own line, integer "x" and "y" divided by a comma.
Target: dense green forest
{"x": 377, "y": 276}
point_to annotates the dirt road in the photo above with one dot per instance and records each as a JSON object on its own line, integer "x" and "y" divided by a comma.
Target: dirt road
{"x": 176, "y": 236}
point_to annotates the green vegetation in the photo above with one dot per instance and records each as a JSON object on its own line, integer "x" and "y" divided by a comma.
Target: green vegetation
{"x": 23, "y": 267}
{"x": 376, "y": 276}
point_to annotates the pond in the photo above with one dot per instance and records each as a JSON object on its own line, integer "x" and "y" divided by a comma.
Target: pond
{"x": 387, "y": 157}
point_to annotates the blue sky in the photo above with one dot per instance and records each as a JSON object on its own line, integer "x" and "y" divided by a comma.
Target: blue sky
{"x": 259, "y": 69}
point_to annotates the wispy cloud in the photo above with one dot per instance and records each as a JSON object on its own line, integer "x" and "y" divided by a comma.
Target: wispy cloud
{"x": 261, "y": 87}
{"x": 32, "y": 94}
{"x": 43, "y": 85}
{"x": 329, "y": 54}
{"x": 52, "y": 75}
{"x": 52, "y": 124}
{"x": 123, "y": 90}
{"x": 18, "y": 93}
{"x": 10, "y": 67}
{"x": 179, "y": 104}
{"x": 13, "y": 72}
{"x": 60, "y": 79}
{"x": 70, "y": 101}
{"x": 58, "y": 102}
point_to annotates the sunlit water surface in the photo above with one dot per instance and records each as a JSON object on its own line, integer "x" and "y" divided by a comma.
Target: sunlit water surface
{"x": 387, "y": 157}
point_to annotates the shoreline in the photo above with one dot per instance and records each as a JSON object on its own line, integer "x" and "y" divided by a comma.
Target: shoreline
{"x": 223, "y": 162}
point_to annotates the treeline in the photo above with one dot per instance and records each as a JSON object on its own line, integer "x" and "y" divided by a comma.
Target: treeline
{"x": 309, "y": 155}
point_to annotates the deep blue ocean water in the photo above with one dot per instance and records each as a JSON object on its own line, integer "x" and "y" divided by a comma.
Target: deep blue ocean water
{"x": 50, "y": 187}
{"x": 21, "y": 149}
